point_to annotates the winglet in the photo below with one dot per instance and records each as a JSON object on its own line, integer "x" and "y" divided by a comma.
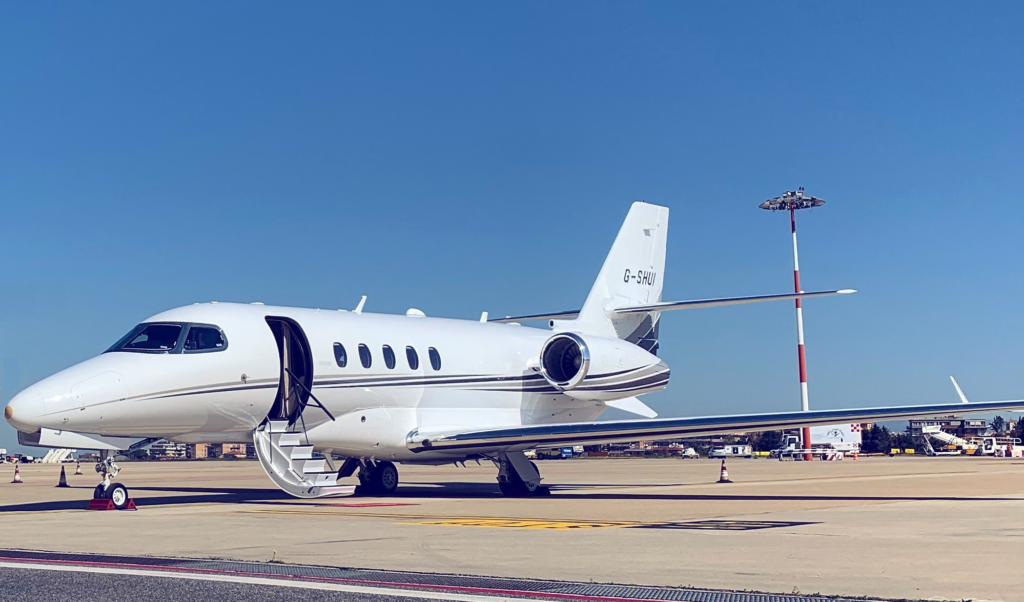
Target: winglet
{"x": 359, "y": 308}
{"x": 963, "y": 397}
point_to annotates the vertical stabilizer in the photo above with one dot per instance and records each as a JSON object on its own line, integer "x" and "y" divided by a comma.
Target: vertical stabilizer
{"x": 632, "y": 274}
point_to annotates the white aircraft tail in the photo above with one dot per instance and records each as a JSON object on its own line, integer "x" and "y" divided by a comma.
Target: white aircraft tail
{"x": 632, "y": 275}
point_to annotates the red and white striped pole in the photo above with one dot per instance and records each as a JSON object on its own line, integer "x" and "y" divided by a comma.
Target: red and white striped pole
{"x": 804, "y": 402}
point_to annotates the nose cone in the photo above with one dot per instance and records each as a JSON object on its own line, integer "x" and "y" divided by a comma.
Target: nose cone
{"x": 24, "y": 411}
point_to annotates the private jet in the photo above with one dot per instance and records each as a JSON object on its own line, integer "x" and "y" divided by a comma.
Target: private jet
{"x": 327, "y": 394}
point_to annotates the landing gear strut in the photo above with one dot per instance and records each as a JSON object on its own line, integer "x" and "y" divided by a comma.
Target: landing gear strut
{"x": 115, "y": 492}
{"x": 378, "y": 478}
{"x": 518, "y": 477}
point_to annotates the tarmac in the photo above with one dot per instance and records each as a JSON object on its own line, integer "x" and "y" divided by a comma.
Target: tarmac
{"x": 945, "y": 528}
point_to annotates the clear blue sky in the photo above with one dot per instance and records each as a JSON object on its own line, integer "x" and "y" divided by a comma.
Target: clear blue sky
{"x": 460, "y": 157}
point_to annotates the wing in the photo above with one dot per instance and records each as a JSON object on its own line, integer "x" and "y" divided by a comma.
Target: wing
{"x": 671, "y": 305}
{"x": 587, "y": 433}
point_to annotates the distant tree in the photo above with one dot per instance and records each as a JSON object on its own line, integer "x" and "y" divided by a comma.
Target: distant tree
{"x": 1018, "y": 431}
{"x": 902, "y": 441}
{"x": 766, "y": 440}
{"x": 876, "y": 440}
{"x": 998, "y": 425}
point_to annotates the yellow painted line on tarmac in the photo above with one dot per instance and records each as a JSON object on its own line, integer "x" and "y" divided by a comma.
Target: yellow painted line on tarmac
{"x": 470, "y": 521}
{"x": 505, "y": 523}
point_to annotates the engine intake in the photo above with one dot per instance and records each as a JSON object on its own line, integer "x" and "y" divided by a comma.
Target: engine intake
{"x": 596, "y": 368}
{"x": 565, "y": 360}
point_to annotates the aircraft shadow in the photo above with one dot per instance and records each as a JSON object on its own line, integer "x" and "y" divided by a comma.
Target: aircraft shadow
{"x": 599, "y": 492}
{"x": 193, "y": 495}
{"x": 214, "y": 495}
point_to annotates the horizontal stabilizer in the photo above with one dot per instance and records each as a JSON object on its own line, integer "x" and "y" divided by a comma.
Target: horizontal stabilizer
{"x": 632, "y": 405}
{"x": 672, "y": 305}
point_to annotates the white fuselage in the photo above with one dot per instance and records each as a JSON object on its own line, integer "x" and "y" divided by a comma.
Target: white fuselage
{"x": 489, "y": 376}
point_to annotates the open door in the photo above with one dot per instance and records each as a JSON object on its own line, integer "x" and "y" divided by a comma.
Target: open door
{"x": 296, "y": 369}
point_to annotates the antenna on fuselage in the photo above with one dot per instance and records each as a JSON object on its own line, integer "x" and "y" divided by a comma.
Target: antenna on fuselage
{"x": 483, "y": 317}
{"x": 359, "y": 308}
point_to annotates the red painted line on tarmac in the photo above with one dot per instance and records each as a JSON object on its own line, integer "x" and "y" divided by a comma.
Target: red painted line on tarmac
{"x": 430, "y": 586}
{"x": 370, "y": 504}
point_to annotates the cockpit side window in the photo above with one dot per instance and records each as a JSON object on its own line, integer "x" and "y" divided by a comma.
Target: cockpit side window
{"x": 204, "y": 339}
{"x": 150, "y": 338}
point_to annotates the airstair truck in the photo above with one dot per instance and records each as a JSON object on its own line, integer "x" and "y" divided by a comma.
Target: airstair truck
{"x": 952, "y": 445}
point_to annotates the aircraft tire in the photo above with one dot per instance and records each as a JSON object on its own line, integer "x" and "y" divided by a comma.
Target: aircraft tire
{"x": 118, "y": 494}
{"x": 509, "y": 489}
{"x": 517, "y": 487}
{"x": 384, "y": 478}
{"x": 99, "y": 493}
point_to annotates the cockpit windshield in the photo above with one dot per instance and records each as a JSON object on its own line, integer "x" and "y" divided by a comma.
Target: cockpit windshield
{"x": 171, "y": 337}
{"x": 150, "y": 338}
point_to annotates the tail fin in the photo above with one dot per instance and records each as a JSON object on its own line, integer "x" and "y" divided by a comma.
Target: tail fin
{"x": 632, "y": 275}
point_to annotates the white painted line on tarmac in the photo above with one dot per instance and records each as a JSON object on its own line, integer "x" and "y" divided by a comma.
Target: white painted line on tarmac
{"x": 336, "y": 587}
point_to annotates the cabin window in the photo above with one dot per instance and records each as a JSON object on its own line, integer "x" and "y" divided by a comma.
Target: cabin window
{"x": 435, "y": 358}
{"x": 389, "y": 357}
{"x": 413, "y": 358}
{"x": 364, "y": 356}
{"x": 203, "y": 339}
{"x": 150, "y": 338}
{"x": 340, "y": 356}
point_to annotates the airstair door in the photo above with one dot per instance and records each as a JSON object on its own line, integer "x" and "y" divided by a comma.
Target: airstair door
{"x": 296, "y": 369}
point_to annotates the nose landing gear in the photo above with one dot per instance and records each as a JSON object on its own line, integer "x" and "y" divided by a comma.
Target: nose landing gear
{"x": 115, "y": 492}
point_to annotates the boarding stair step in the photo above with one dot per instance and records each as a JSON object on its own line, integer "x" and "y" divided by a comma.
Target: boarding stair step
{"x": 314, "y": 465}
{"x": 286, "y": 439}
{"x": 324, "y": 479}
{"x": 301, "y": 452}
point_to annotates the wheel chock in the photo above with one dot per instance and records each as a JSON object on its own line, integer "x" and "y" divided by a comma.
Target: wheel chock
{"x": 105, "y": 504}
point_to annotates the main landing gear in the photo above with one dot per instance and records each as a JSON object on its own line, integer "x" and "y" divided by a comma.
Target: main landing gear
{"x": 378, "y": 478}
{"x": 115, "y": 492}
{"x": 518, "y": 477}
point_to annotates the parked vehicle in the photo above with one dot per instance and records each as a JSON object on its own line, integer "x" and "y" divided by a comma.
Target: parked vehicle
{"x": 554, "y": 453}
{"x": 732, "y": 451}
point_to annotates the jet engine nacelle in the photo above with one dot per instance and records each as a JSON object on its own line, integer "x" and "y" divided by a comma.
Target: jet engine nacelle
{"x": 597, "y": 368}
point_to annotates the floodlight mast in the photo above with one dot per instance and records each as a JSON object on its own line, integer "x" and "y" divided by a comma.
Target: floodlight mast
{"x": 793, "y": 201}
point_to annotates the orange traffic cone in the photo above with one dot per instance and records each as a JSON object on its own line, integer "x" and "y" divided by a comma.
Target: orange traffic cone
{"x": 725, "y": 474}
{"x": 78, "y": 467}
{"x": 63, "y": 478}
{"x": 17, "y": 475}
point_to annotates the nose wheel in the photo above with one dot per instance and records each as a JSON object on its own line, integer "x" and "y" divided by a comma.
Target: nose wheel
{"x": 115, "y": 492}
